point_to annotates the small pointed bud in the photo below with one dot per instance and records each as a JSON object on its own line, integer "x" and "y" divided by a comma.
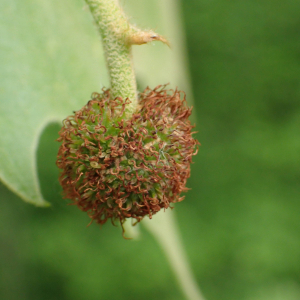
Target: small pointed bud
{"x": 144, "y": 37}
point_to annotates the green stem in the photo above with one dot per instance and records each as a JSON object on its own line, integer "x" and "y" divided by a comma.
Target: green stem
{"x": 118, "y": 35}
{"x": 114, "y": 28}
{"x": 164, "y": 229}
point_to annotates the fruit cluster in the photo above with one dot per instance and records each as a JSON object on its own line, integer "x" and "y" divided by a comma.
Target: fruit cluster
{"x": 116, "y": 166}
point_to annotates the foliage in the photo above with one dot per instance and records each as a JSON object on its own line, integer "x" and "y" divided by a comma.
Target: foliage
{"x": 240, "y": 220}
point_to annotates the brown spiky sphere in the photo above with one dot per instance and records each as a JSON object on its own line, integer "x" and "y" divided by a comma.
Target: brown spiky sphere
{"x": 115, "y": 167}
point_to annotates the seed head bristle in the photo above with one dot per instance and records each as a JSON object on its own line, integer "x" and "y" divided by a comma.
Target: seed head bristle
{"x": 117, "y": 168}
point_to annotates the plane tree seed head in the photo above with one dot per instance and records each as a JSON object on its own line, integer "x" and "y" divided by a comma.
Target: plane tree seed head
{"x": 117, "y": 167}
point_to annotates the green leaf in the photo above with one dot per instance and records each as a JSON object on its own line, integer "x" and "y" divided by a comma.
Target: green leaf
{"x": 51, "y": 61}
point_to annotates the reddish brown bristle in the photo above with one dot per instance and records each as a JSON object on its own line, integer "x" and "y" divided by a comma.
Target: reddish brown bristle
{"x": 114, "y": 168}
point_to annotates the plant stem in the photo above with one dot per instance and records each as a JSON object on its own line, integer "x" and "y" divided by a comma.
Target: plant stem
{"x": 164, "y": 229}
{"x": 118, "y": 35}
{"x": 114, "y": 28}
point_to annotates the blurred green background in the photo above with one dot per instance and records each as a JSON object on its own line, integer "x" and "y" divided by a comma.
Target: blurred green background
{"x": 240, "y": 221}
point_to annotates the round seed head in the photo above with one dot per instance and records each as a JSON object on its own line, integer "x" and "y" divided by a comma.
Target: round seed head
{"x": 117, "y": 167}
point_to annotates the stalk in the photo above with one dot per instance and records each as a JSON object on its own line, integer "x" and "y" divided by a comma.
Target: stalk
{"x": 163, "y": 228}
{"x": 118, "y": 36}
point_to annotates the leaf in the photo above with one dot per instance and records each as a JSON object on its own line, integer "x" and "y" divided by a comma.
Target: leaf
{"x": 51, "y": 61}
